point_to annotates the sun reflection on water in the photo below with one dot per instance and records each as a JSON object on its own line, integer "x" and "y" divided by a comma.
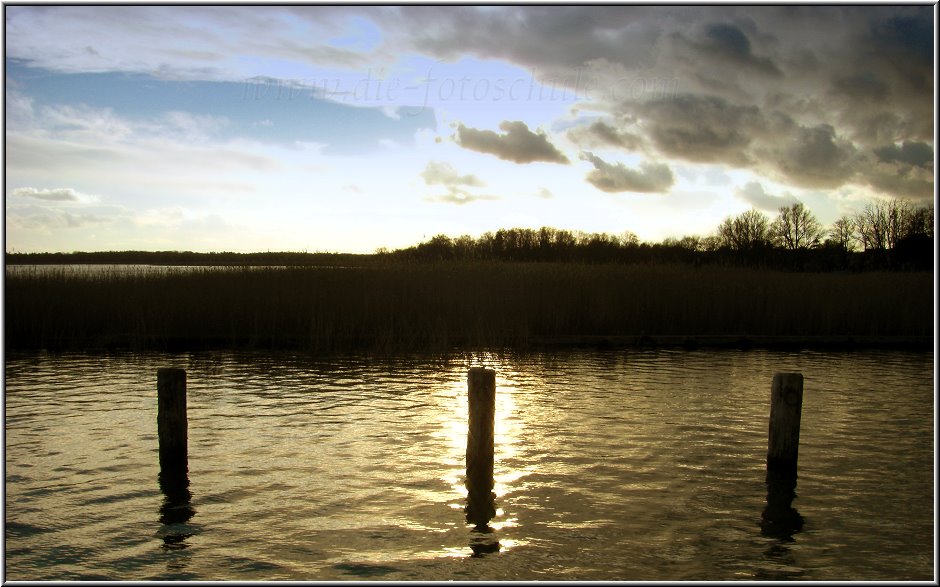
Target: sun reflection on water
{"x": 508, "y": 433}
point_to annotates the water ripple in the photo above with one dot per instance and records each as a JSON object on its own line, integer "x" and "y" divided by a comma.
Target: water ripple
{"x": 609, "y": 465}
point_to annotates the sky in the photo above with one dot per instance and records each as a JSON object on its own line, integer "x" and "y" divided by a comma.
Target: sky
{"x": 349, "y": 128}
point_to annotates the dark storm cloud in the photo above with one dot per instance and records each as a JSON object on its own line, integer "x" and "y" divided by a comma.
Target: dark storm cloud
{"x": 701, "y": 128}
{"x": 863, "y": 86}
{"x": 555, "y": 40}
{"x": 900, "y": 182}
{"x": 617, "y": 177}
{"x": 907, "y": 36}
{"x": 517, "y": 143}
{"x": 911, "y": 153}
{"x": 807, "y": 94}
{"x": 815, "y": 157}
{"x": 905, "y": 170}
{"x": 728, "y": 42}
{"x": 891, "y": 59}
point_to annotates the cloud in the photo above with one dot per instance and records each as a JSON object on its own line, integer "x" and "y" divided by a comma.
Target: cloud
{"x": 518, "y": 144}
{"x": 900, "y": 179}
{"x": 519, "y": 35}
{"x": 727, "y": 42}
{"x": 754, "y": 194}
{"x": 441, "y": 173}
{"x": 905, "y": 169}
{"x": 862, "y": 86}
{"x": 909, "y": 152}
{"x": 750, "y": 87}
{"x": 600, "y": 134}
{"x": 47, "y": 220}
{"x": 607, "y": 177}
{"x": 908, "y": 37}
{"x": 702, "y": 128}
{"x": 177, "y": 42}
{"x": 758, "y": 87}
{"x": 815, "y": 157}
{"x": 55, "y": 195}
{"x": 460, "y": 196}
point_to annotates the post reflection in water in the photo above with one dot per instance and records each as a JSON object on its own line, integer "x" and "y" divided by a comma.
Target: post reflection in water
{"x": 483, "y": 541}
{"x": 175, "y": 511}
{"x": 780, "y": 520}
{"x": 481, "y": 505}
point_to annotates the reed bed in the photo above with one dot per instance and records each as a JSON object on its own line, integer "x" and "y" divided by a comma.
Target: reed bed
{"x": 434, "y": 306}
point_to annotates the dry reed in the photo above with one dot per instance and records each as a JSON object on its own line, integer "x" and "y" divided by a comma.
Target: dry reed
{"x": 397, "y": 307}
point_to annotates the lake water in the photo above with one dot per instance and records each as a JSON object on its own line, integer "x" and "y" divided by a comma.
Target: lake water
{"x": 610, "y": 465}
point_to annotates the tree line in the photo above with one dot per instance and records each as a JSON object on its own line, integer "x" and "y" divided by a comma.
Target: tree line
{"x": 887, "y": 234}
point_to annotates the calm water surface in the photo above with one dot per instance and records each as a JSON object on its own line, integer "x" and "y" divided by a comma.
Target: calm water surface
{"x": 613, "y": 465}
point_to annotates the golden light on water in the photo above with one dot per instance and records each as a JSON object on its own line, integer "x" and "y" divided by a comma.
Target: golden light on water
{"x": 508, "y": 429}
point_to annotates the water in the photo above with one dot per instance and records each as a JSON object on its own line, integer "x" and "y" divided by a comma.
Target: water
{"x": 613, "y": 465}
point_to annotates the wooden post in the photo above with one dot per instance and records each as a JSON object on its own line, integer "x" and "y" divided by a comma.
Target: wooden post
{"x": 481, "y": 386}
{"x": 171, "y": 421}
{"x": 786, "y": 404}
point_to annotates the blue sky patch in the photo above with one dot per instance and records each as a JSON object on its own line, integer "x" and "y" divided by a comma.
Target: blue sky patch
{"x": 262, "y": 109}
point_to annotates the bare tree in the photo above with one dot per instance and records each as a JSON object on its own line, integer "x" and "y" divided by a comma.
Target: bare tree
{"x": 748, "y": 230}
{"x": 692, "y": 243}
{"x": 871, "y": 224}
{"x": 920, "y": 222}
{"x": 711, "y": 242}
{"x": 899, "y": 214}
{"x": 881, "y": 225}
{"x": 629, "y": 239}
{"x": 796, "y": 228}
{"x": 843, "y": 233}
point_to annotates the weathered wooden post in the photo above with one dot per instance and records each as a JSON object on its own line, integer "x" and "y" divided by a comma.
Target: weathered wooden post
{"x": 481, "y": 387}
{"x": 786, "y": 405}
{"x": 171, "y": 421}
